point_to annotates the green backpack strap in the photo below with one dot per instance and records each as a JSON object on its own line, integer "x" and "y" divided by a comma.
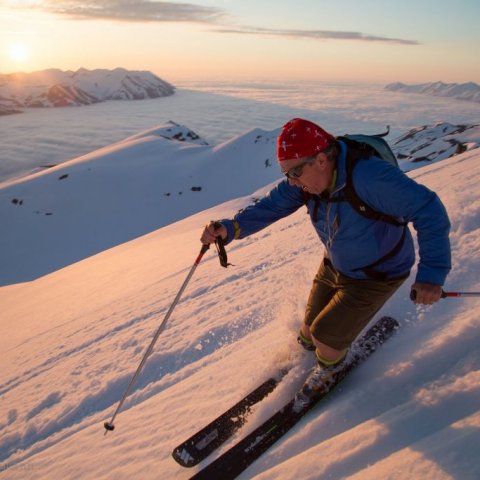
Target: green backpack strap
{"x": 359, "y": 147}
{"x": 357, "y": 151}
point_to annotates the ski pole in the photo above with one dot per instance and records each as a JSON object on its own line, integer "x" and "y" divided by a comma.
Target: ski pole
{"x": 413, "y": 294}
{"x": 109, "y": 426}
{"x": 460, "y": 294}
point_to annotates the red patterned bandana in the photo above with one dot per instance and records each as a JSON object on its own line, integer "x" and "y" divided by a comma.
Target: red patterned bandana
{"x": 301, "y": 138}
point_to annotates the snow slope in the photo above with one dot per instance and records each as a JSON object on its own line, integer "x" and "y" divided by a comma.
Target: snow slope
{"x": 120, "y": 192}
{"x": 72, "y": 339}
{"x": 149, "y": 180}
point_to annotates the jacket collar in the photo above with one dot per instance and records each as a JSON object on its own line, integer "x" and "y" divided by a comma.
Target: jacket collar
{"x": 341, "y": 168}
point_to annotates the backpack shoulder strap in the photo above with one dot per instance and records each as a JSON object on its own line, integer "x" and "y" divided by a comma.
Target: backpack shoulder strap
{"x": 357, "y": 151}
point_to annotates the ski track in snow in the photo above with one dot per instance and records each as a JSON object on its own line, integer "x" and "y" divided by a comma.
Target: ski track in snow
{"x": 158, "y": 373}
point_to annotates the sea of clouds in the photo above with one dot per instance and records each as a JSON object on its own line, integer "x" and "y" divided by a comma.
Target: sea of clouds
{"x": 218, "y": 111}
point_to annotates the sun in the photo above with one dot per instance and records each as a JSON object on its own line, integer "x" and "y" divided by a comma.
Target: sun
{"x": 18, "y": 52}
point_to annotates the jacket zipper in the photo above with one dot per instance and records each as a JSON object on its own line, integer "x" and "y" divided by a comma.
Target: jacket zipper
{"x": 331, "y": 230}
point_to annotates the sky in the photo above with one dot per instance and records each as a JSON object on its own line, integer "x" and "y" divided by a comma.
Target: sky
{"x": 345, "y": 40}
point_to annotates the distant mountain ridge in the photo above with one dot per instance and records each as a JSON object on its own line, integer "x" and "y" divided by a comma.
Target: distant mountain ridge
{"x": 57, "y": 88}
{"x": 469, "y": 91}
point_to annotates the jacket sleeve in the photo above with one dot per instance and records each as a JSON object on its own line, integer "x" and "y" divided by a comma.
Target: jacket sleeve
{"x": 388, "y": 190}
{"x": 280, "y": 202}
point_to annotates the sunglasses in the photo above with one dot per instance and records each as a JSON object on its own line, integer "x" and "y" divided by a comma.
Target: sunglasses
{"x": 296, "y": 172}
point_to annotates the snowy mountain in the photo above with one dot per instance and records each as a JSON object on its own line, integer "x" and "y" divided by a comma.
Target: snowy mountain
{"x": 122, "y": 191}
{"x": 57, "y": 88}
{"x": 71, "y": 340}
{"x": 464, "y": 91}
{"x": 428, "y": 144}
{"x": 84, "y": 206}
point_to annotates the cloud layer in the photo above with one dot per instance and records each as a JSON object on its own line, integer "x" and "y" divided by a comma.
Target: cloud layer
{"x": 316, "y": 34}
{"x": 132, "y": 10}
{"x": 160, "y": 11}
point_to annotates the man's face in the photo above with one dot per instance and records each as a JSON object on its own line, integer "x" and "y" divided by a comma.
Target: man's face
{"x": 312, "y": 174}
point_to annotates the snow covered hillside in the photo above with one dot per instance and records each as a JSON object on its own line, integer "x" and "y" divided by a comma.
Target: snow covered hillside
{"x": 57, "y": 88}
{"x": 112, "y": 195}
{"x": 71, "y": 340}
{"x": 120, "y": 192}
{"x": 428, "y": 144}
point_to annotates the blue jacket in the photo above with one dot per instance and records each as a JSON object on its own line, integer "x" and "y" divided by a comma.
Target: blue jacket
{"x": 353, "y": 241}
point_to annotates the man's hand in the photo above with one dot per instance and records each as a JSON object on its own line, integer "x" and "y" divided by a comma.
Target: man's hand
{"x": 212, "y": 231}
{"x": 426, "y": 293}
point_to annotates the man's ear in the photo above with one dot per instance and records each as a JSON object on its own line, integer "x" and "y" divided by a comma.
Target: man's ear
{"x": 322, "y": 159}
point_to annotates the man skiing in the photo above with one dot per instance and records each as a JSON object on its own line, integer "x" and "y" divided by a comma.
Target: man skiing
{"x": 366, "y": 260}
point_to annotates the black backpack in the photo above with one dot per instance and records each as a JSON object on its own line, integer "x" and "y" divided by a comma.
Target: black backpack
{"x": 361, "y": 147}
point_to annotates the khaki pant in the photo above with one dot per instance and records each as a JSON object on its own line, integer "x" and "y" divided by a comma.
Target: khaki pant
{"x": 339, "y": 307}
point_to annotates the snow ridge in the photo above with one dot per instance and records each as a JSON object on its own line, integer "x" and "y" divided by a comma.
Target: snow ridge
{"x": 117, "y": 193}
{"x": 151, "y": 180}
{"x": 432, "y": 143}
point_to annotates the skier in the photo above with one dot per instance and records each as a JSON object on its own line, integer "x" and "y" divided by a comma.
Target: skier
{"x": 366, "y": 260}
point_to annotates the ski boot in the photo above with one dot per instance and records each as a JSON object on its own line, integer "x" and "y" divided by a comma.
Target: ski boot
{"x": 318, "y": 382}
{"x": 305, "y": 342}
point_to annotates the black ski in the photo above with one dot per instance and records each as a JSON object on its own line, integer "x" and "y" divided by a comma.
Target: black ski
{"x": 235, "y": 460}
{"x": 200, "y": 445}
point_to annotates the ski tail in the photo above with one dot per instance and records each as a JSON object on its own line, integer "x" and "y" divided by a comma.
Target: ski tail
{"x": 200, "y": 445}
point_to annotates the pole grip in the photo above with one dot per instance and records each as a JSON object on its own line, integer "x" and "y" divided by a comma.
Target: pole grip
{"x": 413, "y": 294}
{"x": 203, "y": 250}
{"x": 220, "y": 244}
